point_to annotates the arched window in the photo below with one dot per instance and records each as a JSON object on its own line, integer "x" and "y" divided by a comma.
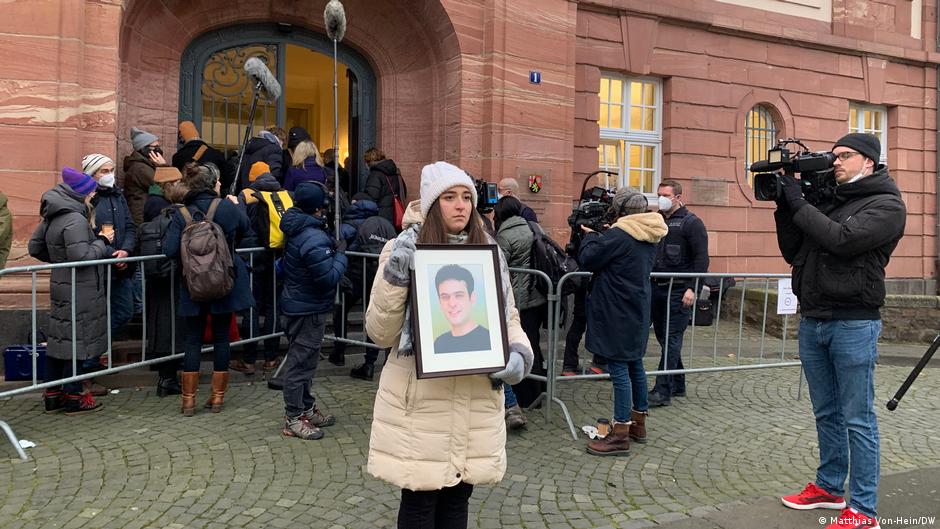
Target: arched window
{"x": 760, "y": 135}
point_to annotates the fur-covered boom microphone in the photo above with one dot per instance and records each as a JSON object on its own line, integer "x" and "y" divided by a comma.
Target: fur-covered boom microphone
{"x": 259, "y": 73}
{"x": 334, "y": 16}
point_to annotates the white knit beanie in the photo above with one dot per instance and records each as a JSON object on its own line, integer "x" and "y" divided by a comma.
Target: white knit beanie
{"x": 439, "y": 177}
{"x": 92, "y": 162}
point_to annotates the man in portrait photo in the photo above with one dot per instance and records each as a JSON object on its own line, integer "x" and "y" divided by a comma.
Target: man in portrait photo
{"x": 455, "y": 294}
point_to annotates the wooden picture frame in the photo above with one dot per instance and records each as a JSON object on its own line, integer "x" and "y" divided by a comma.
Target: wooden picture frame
{"x": 458, "y": 310}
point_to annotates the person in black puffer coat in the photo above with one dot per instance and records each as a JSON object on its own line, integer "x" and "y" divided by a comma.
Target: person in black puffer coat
{"x": 382, "y": 173}
{"x": 203, "y": 190}
{"x": 191, "y": 145}
{"x": 313, "y": 265}
{"x": 267, "y": 148}
{"x": 365, "y": 231}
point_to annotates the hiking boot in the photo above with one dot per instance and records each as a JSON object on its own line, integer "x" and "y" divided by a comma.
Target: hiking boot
{"x": 616, "y": 443}
{"x": 168, "y": 386}
{"x": 219, "y": 385}
{"x": 81, "y": 404}
{"x": 53, "y": 400}
{"x": 638, "y": 426}
{"x": 300, "y": 427}
{"x": 242, "y": 367}
{"x": 852, "y": 519}
{"x": 813, "y": 497}
{"x": 188, "y": 394}
{"x": 363, "y": 372}
{"x": 318, "y": 419}
{"x": 515, "y": 419}
{"x": 90, "y": 385}
{"x": 656, "y": 400}
{"x": 337, "y": 359}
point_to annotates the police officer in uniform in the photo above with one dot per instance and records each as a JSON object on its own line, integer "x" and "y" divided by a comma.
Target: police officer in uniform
{"x": 684, "y": 249}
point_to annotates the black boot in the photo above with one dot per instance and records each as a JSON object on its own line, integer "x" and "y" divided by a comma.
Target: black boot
{"x": 363, "y": 372}
{"x": 168, "y": 386}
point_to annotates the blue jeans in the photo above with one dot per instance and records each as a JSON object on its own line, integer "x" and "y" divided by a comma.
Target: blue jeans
{"x": 629, "y": 380}
{"x": 838, "y": 358}
{"x": 122, "y": 302}
{"x": 509, "y": 396}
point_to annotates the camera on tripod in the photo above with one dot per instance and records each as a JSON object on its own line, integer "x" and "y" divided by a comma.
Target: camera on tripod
{"x": 817, "y": 178}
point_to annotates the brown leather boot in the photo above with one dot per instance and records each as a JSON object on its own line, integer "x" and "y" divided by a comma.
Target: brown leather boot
{"x": 638, "y": 425}
{"x": 219, "y": 385}
{"x": 190, "y": 383}
{"x": 617, "y": 442}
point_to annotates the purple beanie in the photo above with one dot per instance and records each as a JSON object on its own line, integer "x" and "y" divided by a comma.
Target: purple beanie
{"x": 80, "y": 182}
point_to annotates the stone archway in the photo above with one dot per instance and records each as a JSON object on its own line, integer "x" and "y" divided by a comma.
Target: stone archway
{"x": 411, "y": 46}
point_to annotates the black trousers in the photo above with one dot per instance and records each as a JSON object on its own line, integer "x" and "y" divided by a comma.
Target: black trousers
{"x": 435, "y": 509}
{"x": 531, "y": 321}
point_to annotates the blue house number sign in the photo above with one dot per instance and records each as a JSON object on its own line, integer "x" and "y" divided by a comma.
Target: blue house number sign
{"x": 535, "y": 77}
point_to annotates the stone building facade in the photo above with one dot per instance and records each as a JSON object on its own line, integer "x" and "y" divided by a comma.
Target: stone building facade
{"x": 682, "y": 89}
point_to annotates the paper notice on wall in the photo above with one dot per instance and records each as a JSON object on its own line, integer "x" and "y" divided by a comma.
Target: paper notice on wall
{"x": 786, "y": 299}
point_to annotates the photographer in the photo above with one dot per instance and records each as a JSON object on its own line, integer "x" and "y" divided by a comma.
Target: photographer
{"x": 839, "y": 250}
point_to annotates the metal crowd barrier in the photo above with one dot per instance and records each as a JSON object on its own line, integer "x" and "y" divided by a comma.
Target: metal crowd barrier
{"x": 34, "y": 270}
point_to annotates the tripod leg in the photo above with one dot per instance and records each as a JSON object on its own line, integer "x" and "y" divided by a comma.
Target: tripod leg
{"x": 893, "y": 403}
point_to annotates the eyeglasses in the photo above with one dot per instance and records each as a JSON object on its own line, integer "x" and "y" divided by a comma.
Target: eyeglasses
{"x": 846, "y": 155}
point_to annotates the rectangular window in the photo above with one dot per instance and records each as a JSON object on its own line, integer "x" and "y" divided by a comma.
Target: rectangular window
{"x": 873, "y": 120}
{"x": 631, "y": 130}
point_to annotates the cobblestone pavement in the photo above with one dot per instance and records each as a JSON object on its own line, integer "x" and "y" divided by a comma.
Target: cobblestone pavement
{"x": 737, "y": 438}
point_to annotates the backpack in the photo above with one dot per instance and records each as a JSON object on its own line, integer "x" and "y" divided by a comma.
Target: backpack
{"x": 150, "y": 236}
{"x": 397, "y": 205}
{"x": 545, "y": 255}
{"x": 207, "y": 262}
{"x": 271, "y": 207}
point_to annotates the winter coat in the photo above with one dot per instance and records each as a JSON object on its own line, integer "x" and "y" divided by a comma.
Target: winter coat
{"x": 515, "y": 240}
{"x": 235, "y": 225}
{"x": 64, "y": 235}
{"x": 187, "y": 152}
{"x": 433, "y": 433}
{"x": 6, "y": 230}
{"x": 618, "y": 302}
{"x": 110, "y": 207}
{"x": 377, "y": 188}
{"x": 839, "y": 250}
{"x": 138, "y": 177}
{"x": 311, "y": 266}
{"x": 249, "y": 204}
{"x": 160, "y": 299}
{"x": 310, "y": 172}
{"x": 262, "y": 148}
{"x": 364, "y": 231}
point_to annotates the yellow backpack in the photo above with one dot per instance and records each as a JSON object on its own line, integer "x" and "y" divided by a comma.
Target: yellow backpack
{"x": 271, "y": 207}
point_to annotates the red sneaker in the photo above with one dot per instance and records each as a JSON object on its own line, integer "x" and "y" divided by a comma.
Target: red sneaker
{"x": 852, "y": 519}
{"x": 813, "y": 497}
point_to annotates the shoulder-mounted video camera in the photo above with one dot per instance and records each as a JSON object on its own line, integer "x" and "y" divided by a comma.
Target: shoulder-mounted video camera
{"x": 817, "y": 178}
{"x": 591, "y": 209}
{"x": 487, "y": 195}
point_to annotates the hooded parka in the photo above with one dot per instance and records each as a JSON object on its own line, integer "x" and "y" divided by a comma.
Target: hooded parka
{"x": 618, "y": 302}
{"x": 515, "y": 240}
{"x": 65, "y": 235}
{"x": 433, "y": 433}
{"x": 138, "y": 177}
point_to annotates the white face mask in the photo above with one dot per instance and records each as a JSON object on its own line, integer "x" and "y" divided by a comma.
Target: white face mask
{"x": 856, "y": 178}
{"x": 107, "y": 180}
{"x": 665, "y": 204}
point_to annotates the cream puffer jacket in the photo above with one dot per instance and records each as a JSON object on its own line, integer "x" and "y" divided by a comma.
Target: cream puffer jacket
{"x": 433, "y": 433}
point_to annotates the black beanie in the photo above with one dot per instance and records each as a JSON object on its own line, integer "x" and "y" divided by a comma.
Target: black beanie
{"x": 295, "y": 136}
{"x": 867, "y": 144}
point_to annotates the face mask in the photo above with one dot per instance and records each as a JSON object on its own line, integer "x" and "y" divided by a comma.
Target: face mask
{"x": 665, "y": 204}
{"x": 107, "y": 180}
{"x": 856, "y": 178}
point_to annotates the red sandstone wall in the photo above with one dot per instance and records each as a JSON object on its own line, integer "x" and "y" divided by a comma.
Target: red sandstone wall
{"x": 718, "y": 60}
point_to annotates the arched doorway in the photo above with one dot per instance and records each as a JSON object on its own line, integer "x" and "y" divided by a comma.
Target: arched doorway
{"x": 215, "y": 93}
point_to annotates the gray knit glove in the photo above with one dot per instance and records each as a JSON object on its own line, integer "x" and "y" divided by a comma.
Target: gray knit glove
{"x": 514, "y": 371}
{"x": 400, "y": 263}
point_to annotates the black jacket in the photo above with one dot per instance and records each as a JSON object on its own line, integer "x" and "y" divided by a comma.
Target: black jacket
{"x": 260, "y": 149}
{"x": 684, "y": 248}
{"x": 380, "y": 175}
{"x": 212, "y": 155}
{"x": 839, "y": 250}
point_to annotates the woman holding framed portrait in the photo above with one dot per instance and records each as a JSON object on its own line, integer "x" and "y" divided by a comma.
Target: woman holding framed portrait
{"x": 437, "y": 437}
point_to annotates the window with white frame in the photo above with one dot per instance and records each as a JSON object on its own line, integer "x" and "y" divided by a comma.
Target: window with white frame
{"x": 631, "y": 134}
{"x": 873, "y": 120}
{"x": 760, "y": 134}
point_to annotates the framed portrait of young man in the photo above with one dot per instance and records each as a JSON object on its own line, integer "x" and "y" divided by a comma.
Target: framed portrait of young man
{"x": 458, "y": 310}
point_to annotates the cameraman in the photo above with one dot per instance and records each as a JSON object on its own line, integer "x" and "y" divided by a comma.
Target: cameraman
{"x": 839, "y": 251}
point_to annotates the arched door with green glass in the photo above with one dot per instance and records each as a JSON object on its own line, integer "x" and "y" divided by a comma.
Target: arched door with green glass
{"x": 216, "y": 94}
